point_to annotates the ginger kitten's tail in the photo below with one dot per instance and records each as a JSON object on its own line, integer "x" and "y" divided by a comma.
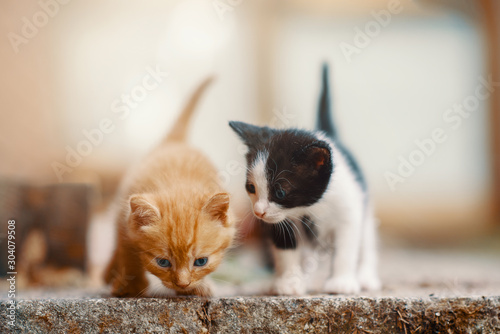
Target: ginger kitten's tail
{"x": 179, "y": 130}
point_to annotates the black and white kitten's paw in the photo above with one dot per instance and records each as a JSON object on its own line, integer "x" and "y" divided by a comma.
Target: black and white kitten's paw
{"x": 289, "y": 286}
{"x": 342, "y": 285}
{"x": 369, "y": 281}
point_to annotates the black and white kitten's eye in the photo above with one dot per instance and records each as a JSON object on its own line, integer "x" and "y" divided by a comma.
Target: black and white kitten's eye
{"x": 164, "y": 263}
{"x": 201, "y": 261}
{"x": 280, "y": 193}
{"x": 250, "y": 188}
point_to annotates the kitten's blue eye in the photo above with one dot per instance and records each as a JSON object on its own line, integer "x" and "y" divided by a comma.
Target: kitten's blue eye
{"x": 280, "y": 193}
{"x": 163, "y": 263}
{"x": 201, "y": 261}
{"x": 250, "y": 188}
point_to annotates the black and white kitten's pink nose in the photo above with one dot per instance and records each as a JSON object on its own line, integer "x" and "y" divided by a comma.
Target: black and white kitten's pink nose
{"x": 260, "y": 209}
{"x": 259, "y": 214}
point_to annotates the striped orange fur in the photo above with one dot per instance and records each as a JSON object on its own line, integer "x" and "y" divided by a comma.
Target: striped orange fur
{"x": 175, "y": 210}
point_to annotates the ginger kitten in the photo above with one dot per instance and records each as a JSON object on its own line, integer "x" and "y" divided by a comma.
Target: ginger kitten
{"x": 175, "y": 224}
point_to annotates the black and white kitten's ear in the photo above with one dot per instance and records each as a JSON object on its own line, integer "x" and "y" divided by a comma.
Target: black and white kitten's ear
{"x": 217, "y": 207}
{"x": 143, "y": 211}
{"x": 317, "y": 156}
{"x": 251, "y": 135}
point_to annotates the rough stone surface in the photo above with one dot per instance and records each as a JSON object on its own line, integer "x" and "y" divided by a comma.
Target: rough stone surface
{"x": 323, "y": 314}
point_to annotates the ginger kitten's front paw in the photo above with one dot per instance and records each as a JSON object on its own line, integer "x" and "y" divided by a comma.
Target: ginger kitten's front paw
{"x": 132, "y": 288}
{"x": 288, "y": 286}
{"x": 342, "y": 285}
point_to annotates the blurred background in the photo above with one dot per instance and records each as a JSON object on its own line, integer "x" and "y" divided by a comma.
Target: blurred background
{"x": 88, "y": 87}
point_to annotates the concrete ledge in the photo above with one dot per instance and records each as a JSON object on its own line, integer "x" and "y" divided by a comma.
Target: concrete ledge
{"x": 320, "y": 314}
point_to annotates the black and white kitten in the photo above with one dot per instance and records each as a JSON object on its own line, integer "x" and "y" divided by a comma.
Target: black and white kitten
{"x": 307, "y": 182}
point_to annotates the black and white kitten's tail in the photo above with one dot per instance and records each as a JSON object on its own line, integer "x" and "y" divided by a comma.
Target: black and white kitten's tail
{"x": 325, "y": 122}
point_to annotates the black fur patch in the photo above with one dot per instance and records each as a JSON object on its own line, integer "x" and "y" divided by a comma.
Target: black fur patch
{"x": 254, "y": 137}
{"x": 299, "y": 166}
{"x": 353, "y": 164}
{"x": 282, "y": 234}
{"x": 310, "y": 229}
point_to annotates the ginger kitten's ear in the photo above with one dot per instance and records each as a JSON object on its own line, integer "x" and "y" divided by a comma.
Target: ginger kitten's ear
{"x": 217, "y": 207}
{"x": 143, "y": 210}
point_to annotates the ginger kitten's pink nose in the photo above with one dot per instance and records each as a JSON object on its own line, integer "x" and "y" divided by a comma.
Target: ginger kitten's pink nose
{"x": 183, "y": 284}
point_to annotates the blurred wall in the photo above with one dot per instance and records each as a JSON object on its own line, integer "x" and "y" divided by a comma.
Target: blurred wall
{"x": 388, "y": 101}
{"x": 86, "y": 68}
{"x": 28, "y": 124}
